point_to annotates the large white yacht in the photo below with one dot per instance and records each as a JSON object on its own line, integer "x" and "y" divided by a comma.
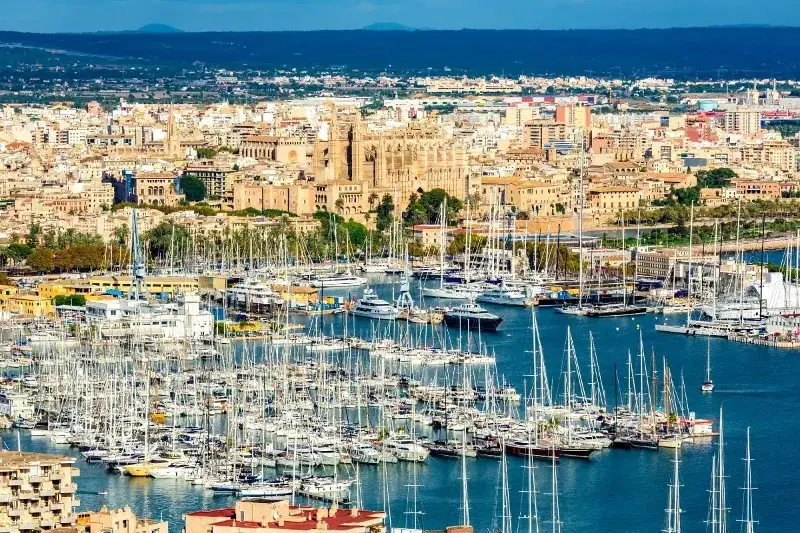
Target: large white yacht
{"x": 252, "y": 293}
{"x": 453, "y": 291}
{"x": 504, "y": 296}
{"x": 370, "y": 306}
{"x": 337, "y": 280}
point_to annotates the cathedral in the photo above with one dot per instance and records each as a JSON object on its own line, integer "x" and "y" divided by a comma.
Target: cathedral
{"x": 399, "y": 162}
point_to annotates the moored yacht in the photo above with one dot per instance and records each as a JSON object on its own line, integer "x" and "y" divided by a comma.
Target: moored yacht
{"x": 407, "y": 450}
{"x": 370, "y": 306}
{"x": 252, "y": 293}
{"x": 504, "y": 296}
{"x": 471, "y": 316}
{"x": 611, "y": 310}
{"x": 337, "y": 280}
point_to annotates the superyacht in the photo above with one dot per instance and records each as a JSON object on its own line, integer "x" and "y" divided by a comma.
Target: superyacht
{"x": 370, "y": 306}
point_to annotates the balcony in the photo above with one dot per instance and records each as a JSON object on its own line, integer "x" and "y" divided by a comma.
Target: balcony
{"x": 14, "y": 513}
{"x": 47, "y": 523}
{"x": 69, "y": 488}
{"x": 57, "y": 507}
{"x": 76, "y": 472}
{"x": 25, "y": 496}
{"x": 15, "y": 482}
{"x": 27, "y": 526}
{"x": 56, "y": 476}
{"x": 45, "y": 493}
{"x": 5, "y": 498}
{"x": 76, "y": 502}
{"x": 66, "y": 519}
{"x": 36, "y": 479}
{"x": 38, "y": 509}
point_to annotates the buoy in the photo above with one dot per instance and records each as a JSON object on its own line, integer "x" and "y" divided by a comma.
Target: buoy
{"x": 617, "y": 329}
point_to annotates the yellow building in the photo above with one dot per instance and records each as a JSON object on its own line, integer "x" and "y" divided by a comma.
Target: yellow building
{"x": 6, "y": 292}
{"x": 29, "y": 305}
{"x": 50, "y": 290}
{"x": 153, "y": 285}
{"x": 606, "y": 200}
{"x": 297, "y": 295}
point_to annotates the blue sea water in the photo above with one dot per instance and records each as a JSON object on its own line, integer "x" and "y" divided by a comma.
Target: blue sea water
{"x": 614, "y": 491}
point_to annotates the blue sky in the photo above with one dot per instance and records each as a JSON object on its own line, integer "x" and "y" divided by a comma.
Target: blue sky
{"x": 241, "y": 15}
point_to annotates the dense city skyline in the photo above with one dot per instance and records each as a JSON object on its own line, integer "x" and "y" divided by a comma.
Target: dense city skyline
{"x": 275, "y": 15}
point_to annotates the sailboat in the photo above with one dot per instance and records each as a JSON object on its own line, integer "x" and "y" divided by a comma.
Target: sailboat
{"x": 580, "y": 309}
{"x": 708, "y": 385}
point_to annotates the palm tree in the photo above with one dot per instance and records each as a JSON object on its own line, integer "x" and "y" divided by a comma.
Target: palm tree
{"x": 339, "y": 204}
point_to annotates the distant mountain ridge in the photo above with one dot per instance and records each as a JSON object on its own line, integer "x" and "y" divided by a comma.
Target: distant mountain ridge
{"x": 388, "y": 26}
{"x": 160, "y": 29}
{"x": 682, "y": 53}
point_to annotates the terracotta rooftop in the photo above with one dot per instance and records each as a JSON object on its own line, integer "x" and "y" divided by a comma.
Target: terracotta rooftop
{"x": 20, "y": 459}
{"x": 221, "y": 513}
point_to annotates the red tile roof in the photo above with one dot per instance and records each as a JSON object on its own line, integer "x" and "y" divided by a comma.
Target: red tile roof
{"x": 238, "y": 523}
{"x": 219, "y": 513}
{"x": 341, "y": 521}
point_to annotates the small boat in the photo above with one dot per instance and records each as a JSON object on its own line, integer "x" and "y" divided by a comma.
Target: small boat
{"x": 670, "y": 441}
{"x": 269, "y": 489}
{"x": 451, "y": 449}
{"x": 574, "y": 310}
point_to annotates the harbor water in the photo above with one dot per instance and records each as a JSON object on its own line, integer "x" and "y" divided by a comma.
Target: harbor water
{"x": 615, "y": 490}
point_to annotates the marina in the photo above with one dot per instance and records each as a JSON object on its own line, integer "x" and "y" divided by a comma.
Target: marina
{"x": 629, "y": 468}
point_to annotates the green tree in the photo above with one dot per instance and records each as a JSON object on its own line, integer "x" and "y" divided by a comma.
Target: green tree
{"x": 41, "y": 260}
{"x": 205, "y": 153}
{"x": 78, "y": 300}
{"x": 426, "y": 208}
{"x": 121, "y": 234}
{"x": 716, "y": 178}
{"x": 193, "y": 188}
{"x": 18, "y": 251}
{"x": 687, "y": 195}
{"x": 459, "y": 244}
{"x": 385, "y": 213}
{"x": 34, "y": 233}
{"x": 373, "y": 197}
{"x": 164, "y": 237}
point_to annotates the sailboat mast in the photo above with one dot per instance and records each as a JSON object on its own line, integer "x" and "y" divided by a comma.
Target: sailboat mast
{"x": 689, "y": 271}
{"x": 580, "y": 225}
{"x": 748, "y": 521}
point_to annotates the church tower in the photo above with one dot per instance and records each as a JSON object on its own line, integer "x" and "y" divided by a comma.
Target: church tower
{"x": 172, "y": 142}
